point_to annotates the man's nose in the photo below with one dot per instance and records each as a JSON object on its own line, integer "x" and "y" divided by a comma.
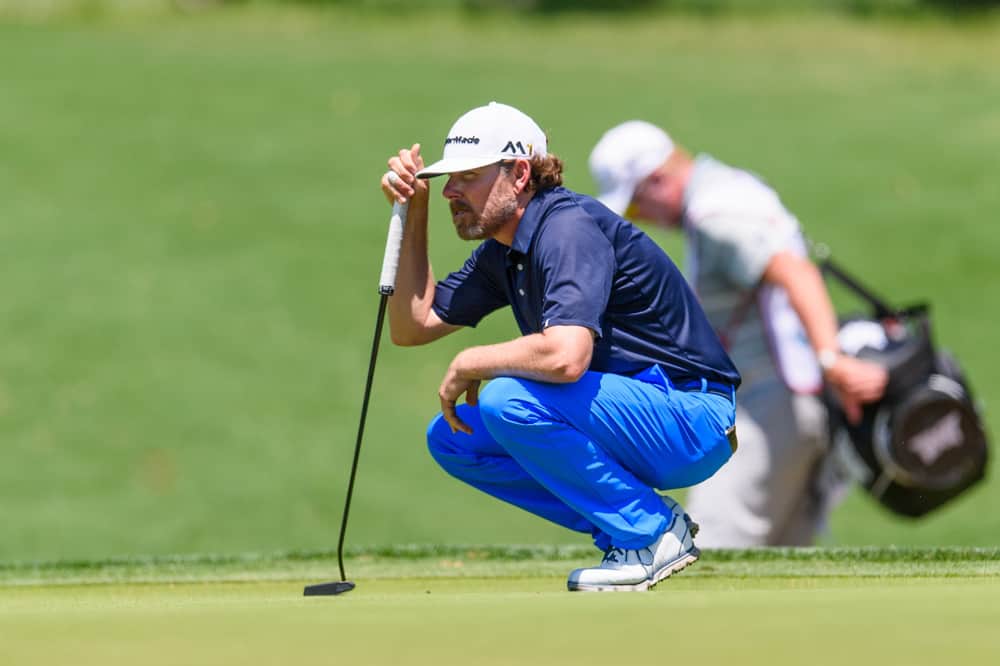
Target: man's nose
{"x": 451, "y": 190}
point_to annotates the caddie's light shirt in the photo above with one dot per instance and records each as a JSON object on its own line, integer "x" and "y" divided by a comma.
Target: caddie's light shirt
{"x": 574, "y": 262}
{"x": 735, "y": 224}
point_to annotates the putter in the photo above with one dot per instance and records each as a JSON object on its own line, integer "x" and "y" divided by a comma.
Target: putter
{"x": 387, "y": 285}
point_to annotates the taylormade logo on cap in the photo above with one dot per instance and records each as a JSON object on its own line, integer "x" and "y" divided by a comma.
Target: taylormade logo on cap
{"x": 485, "y": 135}
{"x": 624, "y": 157}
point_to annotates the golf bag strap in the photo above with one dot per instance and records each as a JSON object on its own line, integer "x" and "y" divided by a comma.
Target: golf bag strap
{"x": 738, "y": 316}
{"x": 880, "y": 307}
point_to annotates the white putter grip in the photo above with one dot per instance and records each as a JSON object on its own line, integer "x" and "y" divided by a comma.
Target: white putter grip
{"x": 390, "y": 262}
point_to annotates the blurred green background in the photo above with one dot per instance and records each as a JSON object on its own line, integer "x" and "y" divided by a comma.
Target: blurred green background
{"x": 191, "y": 231}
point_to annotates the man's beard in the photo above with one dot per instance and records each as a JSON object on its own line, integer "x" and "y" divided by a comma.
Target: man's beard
{"x": 499, "y": 208}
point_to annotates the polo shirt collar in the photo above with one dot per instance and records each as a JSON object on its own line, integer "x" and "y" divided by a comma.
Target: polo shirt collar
{"x": 528, "y": 225}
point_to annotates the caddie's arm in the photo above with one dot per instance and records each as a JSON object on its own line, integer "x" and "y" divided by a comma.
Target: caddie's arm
{"x": 411, "y": 319}
{"x": 855, "y": 381}
{"x": 559, "y": 355}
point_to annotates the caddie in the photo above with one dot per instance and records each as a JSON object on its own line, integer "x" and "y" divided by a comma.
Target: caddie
{"x": 617, "y": 387}
{"x": 748, "y": 261}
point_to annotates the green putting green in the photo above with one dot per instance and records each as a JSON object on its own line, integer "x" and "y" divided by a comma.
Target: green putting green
{"x": 488, "y": 606}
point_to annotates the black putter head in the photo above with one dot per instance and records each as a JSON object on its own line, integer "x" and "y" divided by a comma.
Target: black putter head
{"x": 328, "y": 589}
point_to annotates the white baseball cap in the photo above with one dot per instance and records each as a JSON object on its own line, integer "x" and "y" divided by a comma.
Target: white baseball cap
{"x": 625, "y": 156}
{"x": 486, "y": 135}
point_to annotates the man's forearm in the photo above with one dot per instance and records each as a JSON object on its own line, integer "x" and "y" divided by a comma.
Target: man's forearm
{"x": 812, "y": 303}
{"x": 559, "y": 355}
{"x": 807, "y": 294}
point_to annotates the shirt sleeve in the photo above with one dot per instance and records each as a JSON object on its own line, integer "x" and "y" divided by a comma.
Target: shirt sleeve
{"x": 739, "y": 247}
{"x": 467, "y": 295}
{"x": 577, "y": 264}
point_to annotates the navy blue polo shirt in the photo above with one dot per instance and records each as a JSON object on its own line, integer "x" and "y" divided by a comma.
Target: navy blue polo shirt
{"x": 575, "y": 262}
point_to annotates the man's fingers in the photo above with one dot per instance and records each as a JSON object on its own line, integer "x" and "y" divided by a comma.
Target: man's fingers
{"x": 402, "y": 184}
{"x": 452, "y": 388}
{"x": 398, "y": 181}
{"x": 451, "y": 416}
{"x": 411, "y": 163}
{"x": 852, "y": 409}
{"x": 449, "y": 413}
{"x": 869, "y": 389}
{"x": 462, "y": 426}
{"x": 406, "y": 162}
{"x": 390, "y": 183}
{"x": 871, "y": 393}
{"x": 418, "y": 161}
{"x": 860, "y": 381}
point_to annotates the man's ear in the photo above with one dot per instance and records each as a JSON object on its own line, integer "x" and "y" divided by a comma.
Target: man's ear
{"x": 522, "y": 175}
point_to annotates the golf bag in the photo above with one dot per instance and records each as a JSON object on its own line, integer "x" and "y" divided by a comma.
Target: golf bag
{"x": 924, "y": 442}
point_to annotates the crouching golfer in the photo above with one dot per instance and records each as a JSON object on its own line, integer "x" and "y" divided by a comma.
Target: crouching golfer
{"x": 618, "y": 385}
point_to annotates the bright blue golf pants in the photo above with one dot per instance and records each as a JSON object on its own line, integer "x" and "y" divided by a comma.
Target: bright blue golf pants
{"x": 588, "y": 455}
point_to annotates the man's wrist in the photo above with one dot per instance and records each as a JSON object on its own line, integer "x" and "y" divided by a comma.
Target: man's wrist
{"x": 827, "y": 358}
{"x": 464, "y": 365}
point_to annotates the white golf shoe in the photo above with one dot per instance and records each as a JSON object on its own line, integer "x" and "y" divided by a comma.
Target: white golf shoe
{"x": 677, "y": 509}
{"x": 637, "y": 570}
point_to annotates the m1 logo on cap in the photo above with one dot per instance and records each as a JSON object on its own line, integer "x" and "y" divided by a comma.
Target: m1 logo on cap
{"x": 517, "y": 147}
{"x": 461, "y": 139}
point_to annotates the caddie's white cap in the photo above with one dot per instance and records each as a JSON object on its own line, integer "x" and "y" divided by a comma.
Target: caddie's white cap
{"x": 486, "y": 135}
{"x": 624, "y": 157}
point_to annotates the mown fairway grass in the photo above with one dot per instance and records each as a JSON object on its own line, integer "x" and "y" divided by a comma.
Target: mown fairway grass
{"x": 190, "y": 233}
{"x": 491, "y": 606}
